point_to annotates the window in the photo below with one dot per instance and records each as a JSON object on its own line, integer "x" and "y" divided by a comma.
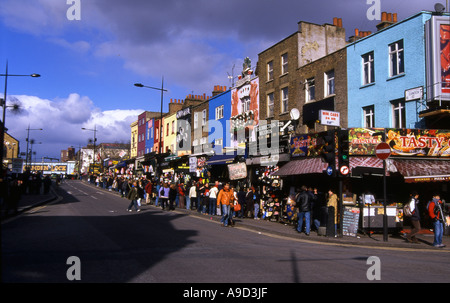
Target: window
{"x": 368, "y": 68}
{"x": 398, "y": 114}
{"x": 157, "y": 133}
{"x": 284, "y": 100}
{"x": 195, "y": 120}
{"x": 204, "y": 117}
{"x": 284, "y": 64}
{"x": 173, "y": 127}
{"x": 219, "y": 112}
{"x": 167, "y": 129}
{"x": 396, "y": 65}
{"x": 329, "y": 82}
{"x": 369, "y": 116}
{"x": 310, "y": 89}
{"x": 246, "y": 104}
{"x": 270, "y": 71}
{"x": 270, "y": 105}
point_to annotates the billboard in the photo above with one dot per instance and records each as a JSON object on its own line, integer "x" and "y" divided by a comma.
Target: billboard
{"x": 438, "y": 58}
{"x": 419, "y": 142}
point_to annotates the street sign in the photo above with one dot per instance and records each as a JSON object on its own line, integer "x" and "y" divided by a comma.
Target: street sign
{"x": 383, "y": 151}
{"x": 344, "y": 170}
{"x": 329, "y": 170}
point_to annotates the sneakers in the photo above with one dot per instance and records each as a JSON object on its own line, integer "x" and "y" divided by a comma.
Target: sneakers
{"x": 439, "y": 245}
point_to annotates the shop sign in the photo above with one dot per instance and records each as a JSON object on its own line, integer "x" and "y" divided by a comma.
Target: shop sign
{"x": 419, "y": 142}
{"x": 362, "y": 142}
{"x": 17, "y": 166}
{"x": 308, "y": 145}
{"x": 329, "y": 118}
{"x": 192, "y": 164}
{"x": 237, "y": 171}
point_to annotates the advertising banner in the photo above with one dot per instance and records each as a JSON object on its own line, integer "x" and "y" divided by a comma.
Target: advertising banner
{"x": 237, "y": 171}
{"x": 362, "y": 142}
{"x": 419, "y": 142}
{"x": 307, "y": 145}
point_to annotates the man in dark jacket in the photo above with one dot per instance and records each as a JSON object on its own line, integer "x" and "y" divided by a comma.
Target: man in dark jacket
{"x": 303, "y": 203}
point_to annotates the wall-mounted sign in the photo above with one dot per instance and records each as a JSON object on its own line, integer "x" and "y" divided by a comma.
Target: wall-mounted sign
{"x": 329, "y": 118}
{"x": 414, "y": 94}
{"x": 237, "y": 171}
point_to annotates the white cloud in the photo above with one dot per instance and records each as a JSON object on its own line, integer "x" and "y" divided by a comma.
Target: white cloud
{"x": 62, "y": 119}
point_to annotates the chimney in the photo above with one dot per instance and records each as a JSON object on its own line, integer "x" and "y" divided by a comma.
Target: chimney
{"x": 387, "y": 19}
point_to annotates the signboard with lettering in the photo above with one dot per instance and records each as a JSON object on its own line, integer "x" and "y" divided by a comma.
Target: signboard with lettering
{"x": 362, "y": 141}
{"x": 329, "y": 118}
{"x": 237, "y": 171}
{"x": 350, "y": 221}
{"x": 419, "y": 142}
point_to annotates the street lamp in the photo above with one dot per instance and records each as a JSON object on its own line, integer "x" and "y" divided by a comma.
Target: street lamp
{"x": 95, "y": 139}
{"x": 160, "y": 123}
{"x": 3, "y": 130}
{"x": 28, "y": 141}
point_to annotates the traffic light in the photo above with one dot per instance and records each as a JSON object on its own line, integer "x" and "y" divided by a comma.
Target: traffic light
{"x": 343, "y": 153}
{"x": 329, "y": 152}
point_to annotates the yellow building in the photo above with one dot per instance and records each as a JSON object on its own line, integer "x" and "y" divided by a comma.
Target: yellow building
{"x": 134, "y": 139}
{"x": 170, "y": 133}
{"x": 10, "y": 148}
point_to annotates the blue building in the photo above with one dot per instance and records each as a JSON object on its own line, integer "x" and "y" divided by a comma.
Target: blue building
{"x": 381, "y": 68}
{"x": 149, "y": 135}
{"x": 218, "y": 123}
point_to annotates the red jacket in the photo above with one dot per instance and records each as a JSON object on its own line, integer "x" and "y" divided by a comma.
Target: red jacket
{"x": 434, "y": 214}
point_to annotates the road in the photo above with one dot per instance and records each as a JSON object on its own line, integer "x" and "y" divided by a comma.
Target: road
{"x": 113, "y": 245}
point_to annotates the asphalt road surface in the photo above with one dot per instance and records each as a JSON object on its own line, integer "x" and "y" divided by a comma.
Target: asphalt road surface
{"x": 88, "y": 236}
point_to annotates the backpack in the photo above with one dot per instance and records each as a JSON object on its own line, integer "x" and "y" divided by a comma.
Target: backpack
{"x": 407, "y": 210}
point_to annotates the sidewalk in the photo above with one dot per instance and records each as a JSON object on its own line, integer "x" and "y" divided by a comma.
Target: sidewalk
{"x": 28, "y": 201}
{"x": 425, "y": 237}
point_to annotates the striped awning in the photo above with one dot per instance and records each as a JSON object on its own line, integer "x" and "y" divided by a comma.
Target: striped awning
{"x": 423, "y": 170}
{"x": 302, "y": 167}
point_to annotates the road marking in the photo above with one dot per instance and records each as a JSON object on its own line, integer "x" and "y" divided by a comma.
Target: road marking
{"x": 94, "y": 197}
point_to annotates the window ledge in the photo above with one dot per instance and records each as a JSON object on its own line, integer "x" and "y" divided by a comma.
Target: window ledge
{"x": 396, "y": 77}
{"x": 367, "y": 85}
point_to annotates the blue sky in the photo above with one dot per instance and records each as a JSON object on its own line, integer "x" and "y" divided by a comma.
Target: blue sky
{"x": 88, "y": 66}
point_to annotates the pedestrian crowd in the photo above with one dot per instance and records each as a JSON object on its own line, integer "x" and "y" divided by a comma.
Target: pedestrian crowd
{"x": 307, "y": 209}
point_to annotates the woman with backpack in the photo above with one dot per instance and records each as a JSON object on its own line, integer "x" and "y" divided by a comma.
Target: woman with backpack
{"x": 415, "y": 218}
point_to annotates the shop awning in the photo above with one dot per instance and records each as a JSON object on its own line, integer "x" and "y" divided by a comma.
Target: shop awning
{"x": 221, "y": 159}
{"x": 423, "y": 170}
{"x": 301, "y": 167}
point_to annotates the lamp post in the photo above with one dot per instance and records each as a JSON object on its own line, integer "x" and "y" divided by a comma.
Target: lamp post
{"x": 28, "y": 141}
{"x": 160, "y": 123}
{"x": 3, "y": 130}
{"x": 95, "y": 139}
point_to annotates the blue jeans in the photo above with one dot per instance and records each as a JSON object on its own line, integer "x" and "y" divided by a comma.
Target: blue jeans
{"x": 212, "y": 206}
{"x": 256, "y": 205}
{"x": 225, "y": 214}
{"x": 188, "y": 202}
{"x": 307, "y": 216}
{"x": 438, "y": 232}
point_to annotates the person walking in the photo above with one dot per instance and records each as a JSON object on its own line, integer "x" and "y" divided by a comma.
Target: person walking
{"x": 193, "y": 195}
{"x": 333, "y": 202}
{"x": 204, "y": 194}
{"x": 437, "y": 216}
{"x": 172, "y": 196}
{"x": 415, "y": 218}
{"x": 182, "y": 195}
{"x": 213, "y": 192}
{"x": 148, "y": 191}
{"x": 164, "y": 195}
{"x": 133, "y": 195}
{"x": 224, "y": 199}
{"x": 303, "y": 203}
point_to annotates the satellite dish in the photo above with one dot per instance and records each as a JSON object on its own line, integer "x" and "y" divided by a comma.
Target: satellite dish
{"x": 439, "y": 8}
{"x": 295, "y": 114}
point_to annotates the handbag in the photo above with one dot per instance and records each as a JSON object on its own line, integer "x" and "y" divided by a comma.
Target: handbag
{"x": 237, "y": 207}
